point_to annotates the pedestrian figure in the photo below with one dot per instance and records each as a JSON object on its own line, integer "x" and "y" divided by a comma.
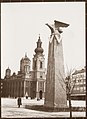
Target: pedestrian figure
{"x": 19, "y": 101}
{"x": 26, "y": 95}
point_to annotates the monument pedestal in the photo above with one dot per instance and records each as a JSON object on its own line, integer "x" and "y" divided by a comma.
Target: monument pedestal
{"x": 55, "y": 87}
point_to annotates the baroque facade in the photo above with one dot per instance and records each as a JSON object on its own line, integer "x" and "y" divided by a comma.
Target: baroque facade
{"x": 27, "y": 83}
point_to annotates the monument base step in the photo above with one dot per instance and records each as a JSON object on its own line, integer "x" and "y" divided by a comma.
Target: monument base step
{"x": 51, "y": 109}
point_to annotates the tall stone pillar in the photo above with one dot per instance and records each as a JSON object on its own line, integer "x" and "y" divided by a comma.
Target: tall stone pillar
{"x": 37, "y": 91}
{"x": 55, "y": 95}
{"x": 24, "y": 88}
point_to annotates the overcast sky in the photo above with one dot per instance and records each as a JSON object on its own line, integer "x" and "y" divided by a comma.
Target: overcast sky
{"x": 21, "y": 24}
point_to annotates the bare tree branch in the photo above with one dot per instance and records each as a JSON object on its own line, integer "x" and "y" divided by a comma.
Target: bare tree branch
{"x": 70, "y": 84}
{"x": 73, "y": 86}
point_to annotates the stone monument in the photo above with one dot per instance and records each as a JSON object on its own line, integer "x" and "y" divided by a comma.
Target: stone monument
{"x": 55, "y": 96}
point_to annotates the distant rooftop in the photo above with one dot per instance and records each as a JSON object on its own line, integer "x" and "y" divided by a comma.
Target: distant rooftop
{"x": 79, "y": 71}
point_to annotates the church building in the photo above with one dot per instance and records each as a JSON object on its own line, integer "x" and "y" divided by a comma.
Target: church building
{"x": 27, "y": 83}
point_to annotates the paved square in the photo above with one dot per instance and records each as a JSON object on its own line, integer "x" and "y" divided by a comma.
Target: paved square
{"x": 9, "y": 109}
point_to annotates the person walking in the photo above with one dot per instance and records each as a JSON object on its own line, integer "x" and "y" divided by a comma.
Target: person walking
{"x": 19, "y": 102}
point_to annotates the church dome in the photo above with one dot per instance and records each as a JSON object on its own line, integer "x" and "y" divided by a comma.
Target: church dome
{"x": 39, "y": 50}
{"x": 8, "y": 69}
{"x": 8, "y": 72}
{"x": 25, "y": 58}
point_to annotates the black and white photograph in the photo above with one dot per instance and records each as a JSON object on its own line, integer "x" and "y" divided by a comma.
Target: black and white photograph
{"x": 43, "y": 60}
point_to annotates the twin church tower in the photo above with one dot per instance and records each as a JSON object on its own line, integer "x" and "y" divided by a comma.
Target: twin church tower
{"x": 26, "y": 82}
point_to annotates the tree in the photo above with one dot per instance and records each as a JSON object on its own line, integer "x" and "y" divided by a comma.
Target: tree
{"x": 69, "y": 90}
{"x": 70, "y": 84}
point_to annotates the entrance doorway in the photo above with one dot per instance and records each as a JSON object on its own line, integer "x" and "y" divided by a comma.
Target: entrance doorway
{"x": 40, "y": 94}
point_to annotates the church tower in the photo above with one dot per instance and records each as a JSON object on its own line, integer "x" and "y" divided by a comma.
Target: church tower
{"x": 25, "y": 65}
{"x": 39, "y": 71}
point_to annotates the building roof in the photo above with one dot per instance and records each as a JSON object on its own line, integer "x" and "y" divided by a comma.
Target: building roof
{"x": 79, "y": 71}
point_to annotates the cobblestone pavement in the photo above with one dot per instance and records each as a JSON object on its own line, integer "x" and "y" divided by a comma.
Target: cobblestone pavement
{"x": 9, "y": 109}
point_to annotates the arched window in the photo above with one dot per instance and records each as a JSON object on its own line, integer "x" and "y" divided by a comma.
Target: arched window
{"x": 40, "y": 64}
{"x": 35, "y": 64}
{"x": 40, "y": 76}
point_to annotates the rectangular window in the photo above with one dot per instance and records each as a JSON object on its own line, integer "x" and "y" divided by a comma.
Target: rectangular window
{"x": 35, "y": 64}
{"x": 41, "y": 75}
{"x": 84, "y": 88}
{"x": 77, "y": 83}
{"x": 74, "y": 88}
{"x": 77, "y": 88}
{"x": 81, "y": 89}
{"x": 41, "y": 84}
{"x": 79, "y": 80}
{"x": 1, "y": 87}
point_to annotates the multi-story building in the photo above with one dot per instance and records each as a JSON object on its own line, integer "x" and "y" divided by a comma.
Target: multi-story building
{"x": 79, "y": 90}
{"x": 26, "y": 82}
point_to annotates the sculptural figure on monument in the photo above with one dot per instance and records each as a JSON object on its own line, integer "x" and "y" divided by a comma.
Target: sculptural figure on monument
{"x": 56, "y": 29}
